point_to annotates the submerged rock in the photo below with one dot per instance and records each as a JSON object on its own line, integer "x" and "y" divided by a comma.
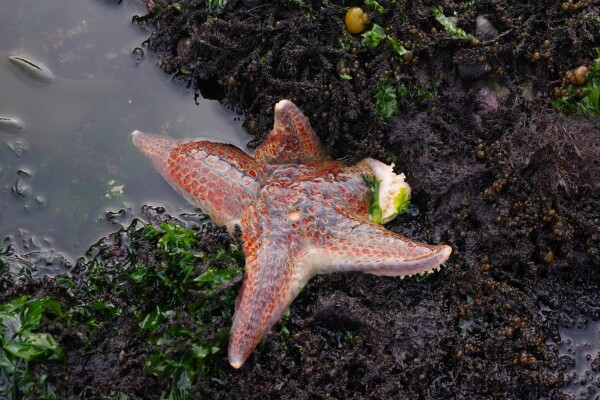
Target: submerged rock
{"x": 11, "y": 124}
{"x": 32, "y": 68}
{"x": 21, "y": 188}
{"x": 18, "y": 146}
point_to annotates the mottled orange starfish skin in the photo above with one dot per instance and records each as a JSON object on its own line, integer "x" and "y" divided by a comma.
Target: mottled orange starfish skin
{"x": 300, "y": 213}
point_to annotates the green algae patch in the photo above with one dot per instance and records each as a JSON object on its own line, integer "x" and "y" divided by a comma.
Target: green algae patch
{"x": 449, "y": 25}
{"x": 158, "y": 295}
{"x": 386, "y": 99}
{"x": 183, "y": 349}
{"x": 402, "y": 201}
{"x": 374, "y": 211}
{"x": 22, "y": 343}
{"x": 374, "y": 36}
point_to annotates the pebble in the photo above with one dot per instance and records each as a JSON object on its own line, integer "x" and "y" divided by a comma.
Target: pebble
{"x": 184, "y": 47}
{"x": 484, "y": 28}
{"x": 471, "y": 72}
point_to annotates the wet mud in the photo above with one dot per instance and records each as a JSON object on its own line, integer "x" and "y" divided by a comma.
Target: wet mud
{"x": 512, "y": 184}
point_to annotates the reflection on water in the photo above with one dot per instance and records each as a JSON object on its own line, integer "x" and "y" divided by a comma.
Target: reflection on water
{"x": 71, "y": 159}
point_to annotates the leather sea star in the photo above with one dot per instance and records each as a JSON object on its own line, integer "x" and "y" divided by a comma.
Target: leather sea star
{"x": 300, "y": 213}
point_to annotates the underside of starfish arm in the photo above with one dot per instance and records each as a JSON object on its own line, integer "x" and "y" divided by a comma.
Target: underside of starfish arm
{"x": 369, "y": 248}
{"x": 218, "y": 178}
{"x": 292, "y": 139}
{"x": 275, "y": 273}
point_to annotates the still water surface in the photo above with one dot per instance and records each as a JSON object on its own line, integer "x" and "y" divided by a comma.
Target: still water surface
{"x": 74, "y": 159}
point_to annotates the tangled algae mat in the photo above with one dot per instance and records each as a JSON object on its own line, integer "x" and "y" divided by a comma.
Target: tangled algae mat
{"x": 463, "y": 109}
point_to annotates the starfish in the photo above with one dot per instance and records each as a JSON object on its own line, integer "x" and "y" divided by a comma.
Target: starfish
{"x": 300, "y": 213}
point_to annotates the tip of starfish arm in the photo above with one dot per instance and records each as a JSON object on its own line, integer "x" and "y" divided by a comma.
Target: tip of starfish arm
{"x": 431, "y": 262}
{"x": 136, "y": 136}
{"x": 445, "y": 253}
{"x": 236, "y": 360}
{"x": 437, "y": 259}
{"x": 416, "y": 266}
{"x": 282, "y": 104}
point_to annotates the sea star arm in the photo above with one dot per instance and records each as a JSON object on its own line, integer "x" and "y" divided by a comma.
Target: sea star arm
{"x": 218, "y": 178}
{"x": 275, "y": 273}
{"x": 292, "y": 139}
{"x": 359, "y": 245}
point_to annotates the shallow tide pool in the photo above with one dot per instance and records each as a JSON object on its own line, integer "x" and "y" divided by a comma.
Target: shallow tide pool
{"x": 73, "y": 160}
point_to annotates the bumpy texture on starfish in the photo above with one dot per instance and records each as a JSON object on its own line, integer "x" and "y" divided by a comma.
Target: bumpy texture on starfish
{"x": 300, "y": 213}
